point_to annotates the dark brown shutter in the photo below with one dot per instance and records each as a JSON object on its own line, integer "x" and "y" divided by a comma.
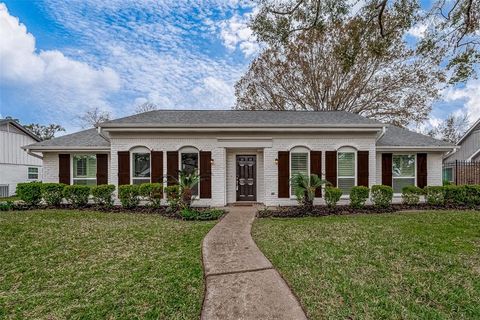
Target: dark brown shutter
{"x": 316, "y": 168}
{"x": 172, "y": 168}
{"x": 362, "y": 168}
{"x": 387, "y": 169}
{"x": 421, "y": 170}
{"x": 157, "y": 166}
{"x": 64, "y": 168}
{"x": 205, "y": 174}
{"x": 123, "y": 167}
{"x": 331, "y": 167}
{"x": 102, "y": 169}
{"x": 283, "y": 174}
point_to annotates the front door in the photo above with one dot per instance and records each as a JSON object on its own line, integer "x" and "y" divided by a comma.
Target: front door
{"x": 246, "y": 178}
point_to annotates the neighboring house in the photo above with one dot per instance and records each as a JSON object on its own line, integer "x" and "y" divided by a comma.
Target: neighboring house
{"x": 15, "y": 164}
{"x": 463, "y": 165}
{"x": 244, "y": 155}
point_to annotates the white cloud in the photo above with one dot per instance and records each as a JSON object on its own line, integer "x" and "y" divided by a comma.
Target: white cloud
{"x": 418, "y": 31}
{"x": 235, "y": 32}
{"x": 51, "y": 80}
{"x": 469, "y": 96}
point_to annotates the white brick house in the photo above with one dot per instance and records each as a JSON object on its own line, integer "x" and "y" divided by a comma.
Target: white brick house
{"x": 244, "y": 155}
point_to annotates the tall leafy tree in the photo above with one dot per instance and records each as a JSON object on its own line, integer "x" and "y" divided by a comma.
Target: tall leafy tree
{"x": 451, "y": 28}
{"x": 344, "y": 65}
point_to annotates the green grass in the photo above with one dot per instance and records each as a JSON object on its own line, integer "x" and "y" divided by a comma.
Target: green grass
{"x": 393, "y": 266}
{"x": 12, "y": 198}
{"x": 90, "y": 265}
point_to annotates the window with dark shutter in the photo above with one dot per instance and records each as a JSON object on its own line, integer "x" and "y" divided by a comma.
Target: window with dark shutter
{"x": 362, "y": 168}
{"x": 172, "y": 168}
{"x": 157, "y": 166}
{"x": 331, "y": 167}
{"x": 387, "y": 169}
{"x": 316, "y": 168}
{"x": 64, "y": 168}
{"x": 283, "y": 174}
{"x": 102, "y": 169}
{"x": 205, "y": 174}
{"x": 123, "y": 167}
{"x": 422, "y": 170}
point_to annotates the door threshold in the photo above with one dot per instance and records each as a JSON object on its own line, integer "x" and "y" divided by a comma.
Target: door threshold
{"x": 244, "y": 203}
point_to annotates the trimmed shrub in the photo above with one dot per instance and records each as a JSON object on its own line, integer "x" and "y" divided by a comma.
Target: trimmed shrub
{"x": 332, "y": 196}
{"x": 411, "y": 195}
{"x": 208, "y": 214}
{"x": 129, "y": 195}
{"x": 358, "y": 196}
{"x": 30, "y": 192}
{"x": 435, "y": 195}
{"x": 174, "y": 198}
{"x": 455, "y": 194}
{"x": 103, "y": 195}
{"x": 472, "y": 195}
{"x": 6, "y": 205}
{"x": 77, "y": 195}
{"x": 153, "y": 193}
{"x": 52, "y": 193}
{"x": 382, "y": 195}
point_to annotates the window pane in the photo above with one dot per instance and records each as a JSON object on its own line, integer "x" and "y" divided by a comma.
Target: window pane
{"x": 299, "y": 163}
{"x": 400, "y": 183}
{"x": 190, "y": 165}
{"x": 85, "y": 182}
{"x": 33, "y": 173}
{"x": 346, "y": 184}
{"x": 140, "y": 181}
{"x": 190, "y": 162}
{"x": 346, "y": 164}
{"x": 403, "y": 165}
{"x": 448, "y": 174}
{"x": 141, "y": 165}
{"x": 84, "y": 166}
{"x": 32, "y": 170}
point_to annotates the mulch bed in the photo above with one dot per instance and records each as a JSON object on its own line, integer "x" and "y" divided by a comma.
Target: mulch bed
{"x": 296, "y": 211}
{"x": 162, "y": 211}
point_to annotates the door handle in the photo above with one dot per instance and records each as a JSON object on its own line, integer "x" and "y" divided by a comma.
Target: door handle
{"x": 237, "y": 183}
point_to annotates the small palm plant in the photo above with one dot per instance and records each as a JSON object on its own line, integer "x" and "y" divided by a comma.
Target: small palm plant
{"x": 186, "y": 182}
{"x": 304, "y": 188}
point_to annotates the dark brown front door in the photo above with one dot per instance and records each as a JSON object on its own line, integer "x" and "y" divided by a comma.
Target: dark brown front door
{"x": 246, "y": 178}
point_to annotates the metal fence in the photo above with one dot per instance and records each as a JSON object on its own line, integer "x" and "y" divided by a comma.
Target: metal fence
{"x": 462, "y": 172}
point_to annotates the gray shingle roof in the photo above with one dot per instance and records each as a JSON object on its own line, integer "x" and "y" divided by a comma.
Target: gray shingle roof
{"x": 188, "y": 118}
{"x": 396, "y": 136}
{"x": 85, "y": 138}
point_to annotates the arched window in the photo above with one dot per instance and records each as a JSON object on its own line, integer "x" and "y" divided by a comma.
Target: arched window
{"x": 346, "y": 169}
{"x": 140, "y": 159}
{"x": 189, "y": 162}
{"x": 299, "y": 163}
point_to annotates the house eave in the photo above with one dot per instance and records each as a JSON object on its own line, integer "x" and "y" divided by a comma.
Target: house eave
{"x": 66, "y": 149}
{"x": 246, "y": 128}
{"x": 416, "y": 148}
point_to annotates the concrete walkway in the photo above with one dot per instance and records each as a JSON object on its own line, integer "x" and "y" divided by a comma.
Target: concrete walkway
{"x": 241, "y": 282}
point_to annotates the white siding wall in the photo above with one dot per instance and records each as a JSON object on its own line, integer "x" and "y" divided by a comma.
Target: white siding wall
{"x": 14, "y": 161}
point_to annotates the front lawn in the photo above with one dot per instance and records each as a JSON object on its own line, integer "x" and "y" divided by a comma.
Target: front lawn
{"x": 89, "y": 265}
{"x": 410, "y": 265}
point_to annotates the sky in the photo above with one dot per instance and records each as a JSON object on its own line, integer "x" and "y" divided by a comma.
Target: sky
{"x": 60, "y": 58}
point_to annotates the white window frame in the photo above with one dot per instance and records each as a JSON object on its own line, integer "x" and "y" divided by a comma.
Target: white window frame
{"x": 190, "y": 150}
{"x": 139, "y": 150}
{"x": 72, "y": 159}
{"x": 414, "y": 170}
{"x": 347, "y": 149}
{"x": 298, "y": 149}
{"x": 28, "y": 173}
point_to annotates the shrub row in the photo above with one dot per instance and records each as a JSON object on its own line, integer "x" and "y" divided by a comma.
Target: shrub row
{"x": 381, "y": 196}
{"x": 52, "y": 194}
